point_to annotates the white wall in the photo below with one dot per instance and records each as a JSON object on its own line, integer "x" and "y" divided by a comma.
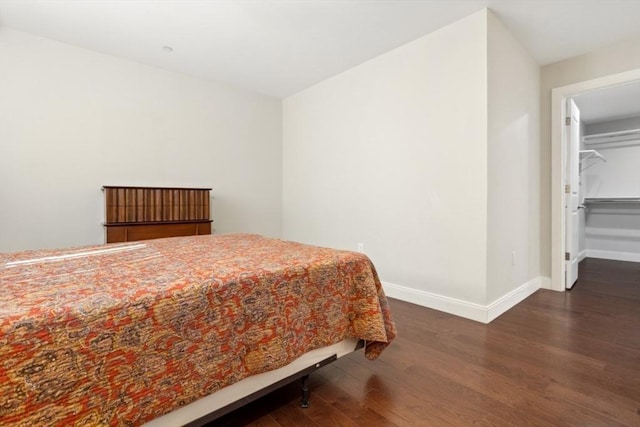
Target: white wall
{"x": 605, "y": 61}
{"x": 429, "y": 156}
{"x": 613, "y": 232}
{"x": 627, "y": 123}
{"x": 72, "y": 120}
{"x": 619, "y": 176}
{"x": 392, "y": 153}
{"x": 513, "y": 164}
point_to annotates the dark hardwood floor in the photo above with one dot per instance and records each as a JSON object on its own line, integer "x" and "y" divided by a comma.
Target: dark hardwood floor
{"x": 569, "y": 358}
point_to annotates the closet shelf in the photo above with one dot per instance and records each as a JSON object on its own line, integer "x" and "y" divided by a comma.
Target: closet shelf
{"x": 631, "y": 135}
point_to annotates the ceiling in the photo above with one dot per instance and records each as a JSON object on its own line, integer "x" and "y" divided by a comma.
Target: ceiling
{"x": 612, "y": 103}
{"x": 279, "y": 47}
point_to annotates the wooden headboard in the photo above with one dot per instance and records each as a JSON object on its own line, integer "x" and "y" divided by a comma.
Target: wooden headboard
{"x": 141, "y": 213}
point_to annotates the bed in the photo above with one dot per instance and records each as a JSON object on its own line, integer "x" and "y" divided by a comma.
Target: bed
{"x": 127, "y": 333}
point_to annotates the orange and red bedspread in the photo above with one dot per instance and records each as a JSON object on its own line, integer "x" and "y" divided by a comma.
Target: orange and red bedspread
{"x": 121, "y": 334}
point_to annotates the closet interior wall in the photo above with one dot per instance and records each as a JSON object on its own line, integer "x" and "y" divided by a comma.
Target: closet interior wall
{"x": 610, "y": 192}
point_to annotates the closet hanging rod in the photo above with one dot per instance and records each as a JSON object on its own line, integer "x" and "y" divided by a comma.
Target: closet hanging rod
{"x": 612, "y": 200}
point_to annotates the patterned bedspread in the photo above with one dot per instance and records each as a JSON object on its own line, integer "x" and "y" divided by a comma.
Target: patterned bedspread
{"x": 121, "y": 334}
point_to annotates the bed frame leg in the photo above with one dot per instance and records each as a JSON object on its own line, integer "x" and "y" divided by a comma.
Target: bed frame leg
{"x": 304, "y": 402}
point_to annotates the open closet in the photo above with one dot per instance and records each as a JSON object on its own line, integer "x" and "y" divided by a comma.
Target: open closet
{"x": 609, "y": 173}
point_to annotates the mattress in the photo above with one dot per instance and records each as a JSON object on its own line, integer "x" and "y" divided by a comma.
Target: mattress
{"x": 123, "y": 334}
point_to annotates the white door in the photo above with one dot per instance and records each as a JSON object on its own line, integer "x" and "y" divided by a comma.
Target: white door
{"x": 571, "y": 194}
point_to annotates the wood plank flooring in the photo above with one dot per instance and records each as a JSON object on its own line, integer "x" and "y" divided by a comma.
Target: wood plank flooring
{"x": 566, "y": 359}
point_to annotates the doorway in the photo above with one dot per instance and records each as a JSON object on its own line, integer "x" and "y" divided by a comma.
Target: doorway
{"x": 560, "y": 161}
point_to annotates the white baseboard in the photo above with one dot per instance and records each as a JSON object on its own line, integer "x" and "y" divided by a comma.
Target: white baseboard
{"x": 466, "y": 309}
{"x": 454, "y": 306}
{"x": 618, "y": 256}
{"x": 582, "y": 255}
{"x": 512, "y": 298}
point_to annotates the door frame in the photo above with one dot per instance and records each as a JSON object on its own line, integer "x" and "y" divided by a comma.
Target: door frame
{"x": 559, "y": 98}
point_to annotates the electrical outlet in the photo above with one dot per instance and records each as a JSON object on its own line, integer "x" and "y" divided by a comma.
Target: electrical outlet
{"x": 513, "y": 257}
{"x": 360, "y": 247}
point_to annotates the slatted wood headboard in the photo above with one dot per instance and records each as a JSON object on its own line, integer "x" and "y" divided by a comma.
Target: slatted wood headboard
{"x": 141, "y": 213}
